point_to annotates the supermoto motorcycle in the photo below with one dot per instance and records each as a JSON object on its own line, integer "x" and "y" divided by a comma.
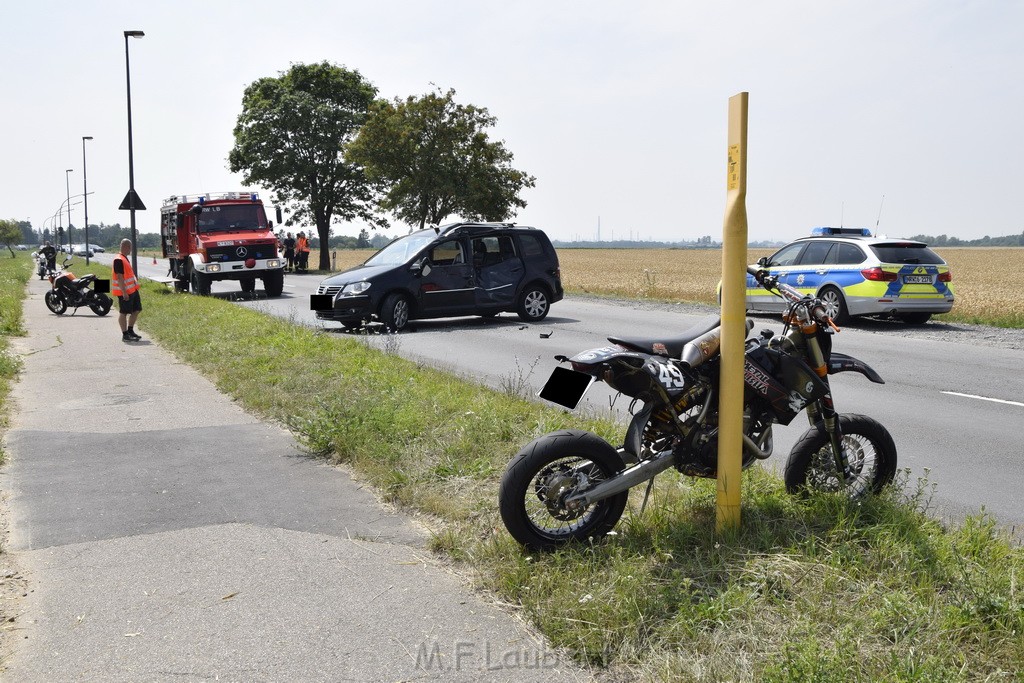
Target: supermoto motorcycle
{"x": 66, "y": 291}
{"x": 572, "y": 485}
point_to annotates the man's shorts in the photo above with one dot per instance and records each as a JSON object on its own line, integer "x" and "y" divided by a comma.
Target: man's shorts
{"x": 132, "y": 305}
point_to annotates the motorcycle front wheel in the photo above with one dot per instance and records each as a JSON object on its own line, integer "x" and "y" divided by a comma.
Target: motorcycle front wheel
{"x": 55, "y": 302}
{"x": 870, "y": 452}
{"x": 546, "y": 472}
{"x": 101, "y": 305}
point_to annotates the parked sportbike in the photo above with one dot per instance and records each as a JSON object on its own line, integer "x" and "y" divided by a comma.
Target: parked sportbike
{"x": 66, "y": 291}
{"x": 572, "y": 485}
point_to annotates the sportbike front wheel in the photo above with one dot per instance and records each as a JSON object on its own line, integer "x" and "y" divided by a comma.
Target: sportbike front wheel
{"x": 55, "y": 302}
{"x": 544, "y": 474}
{"x": 870, "y": 451}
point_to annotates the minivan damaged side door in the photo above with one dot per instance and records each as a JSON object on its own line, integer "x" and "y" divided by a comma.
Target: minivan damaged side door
{"x": 448, "y": 288}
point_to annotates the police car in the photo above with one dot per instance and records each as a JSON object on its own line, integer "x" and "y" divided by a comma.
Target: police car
{"x": 856, "y": 274}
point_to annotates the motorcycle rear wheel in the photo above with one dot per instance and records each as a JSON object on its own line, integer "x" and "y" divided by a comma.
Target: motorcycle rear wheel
{"x": 55, "y": 302}
{"x": 869, "y": 448}
{"x": 547, "y": 471}
{"x": 101, "y": 305}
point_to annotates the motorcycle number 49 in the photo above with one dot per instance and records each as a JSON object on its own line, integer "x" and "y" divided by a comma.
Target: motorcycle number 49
{"x": 670, "y": 376}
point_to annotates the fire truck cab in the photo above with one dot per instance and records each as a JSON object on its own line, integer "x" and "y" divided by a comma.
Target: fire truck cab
{"x": 220, "y": 236}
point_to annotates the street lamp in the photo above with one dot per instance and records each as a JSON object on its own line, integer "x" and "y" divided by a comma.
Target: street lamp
{"x": 85, "y": 197}
{"x": 131, "y": 200}
{"x": 67, "y": 184}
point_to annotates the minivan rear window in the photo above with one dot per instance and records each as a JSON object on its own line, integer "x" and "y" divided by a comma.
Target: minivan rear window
{"x": 906, "y": 252}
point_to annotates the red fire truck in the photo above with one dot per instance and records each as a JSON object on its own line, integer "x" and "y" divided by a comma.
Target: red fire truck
{"x": 220, "y": 236}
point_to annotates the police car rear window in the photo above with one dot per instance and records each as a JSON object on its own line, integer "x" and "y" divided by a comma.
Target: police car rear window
{"x": 906, "y": 252}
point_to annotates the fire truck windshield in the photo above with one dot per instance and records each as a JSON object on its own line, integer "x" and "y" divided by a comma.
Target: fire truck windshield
{"x": 219, "y": 218}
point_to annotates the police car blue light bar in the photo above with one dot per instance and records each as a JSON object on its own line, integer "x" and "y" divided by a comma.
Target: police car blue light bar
{"x": 824, "y": 231}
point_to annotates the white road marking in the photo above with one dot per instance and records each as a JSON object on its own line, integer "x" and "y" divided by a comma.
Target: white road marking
{"x": 985, "y": 398}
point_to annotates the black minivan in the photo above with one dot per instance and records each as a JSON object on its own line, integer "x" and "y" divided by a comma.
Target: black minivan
{"x": 451, "y": 270}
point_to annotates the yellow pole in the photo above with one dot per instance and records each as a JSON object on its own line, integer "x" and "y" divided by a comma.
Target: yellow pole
{"x": 734, "y": 331}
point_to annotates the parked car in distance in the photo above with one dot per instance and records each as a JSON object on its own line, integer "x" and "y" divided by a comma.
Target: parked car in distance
{"x": 452, "y": 270}
{"x": 80, "y": 250}
{"x": 96, "y": 249}
{"x": 856, "y": 274}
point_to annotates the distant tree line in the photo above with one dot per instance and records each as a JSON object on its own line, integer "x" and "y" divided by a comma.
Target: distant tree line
{"x": 986, "y": 241}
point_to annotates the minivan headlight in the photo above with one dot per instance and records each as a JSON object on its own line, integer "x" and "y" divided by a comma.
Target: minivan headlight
{"x": 355, "y": 288}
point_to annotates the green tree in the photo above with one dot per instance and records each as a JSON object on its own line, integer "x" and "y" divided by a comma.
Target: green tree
{"x": 435, "y": 158}
{"x": 10, "y": 234}
{"x": 291, "y": 137}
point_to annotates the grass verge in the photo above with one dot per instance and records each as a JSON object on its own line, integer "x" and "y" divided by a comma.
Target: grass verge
{"x": 815, "y": 589}
{"x": 14, "y": 273}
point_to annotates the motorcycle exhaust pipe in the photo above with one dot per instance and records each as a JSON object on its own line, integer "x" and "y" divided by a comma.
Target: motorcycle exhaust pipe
{"x": 627, "y": 479}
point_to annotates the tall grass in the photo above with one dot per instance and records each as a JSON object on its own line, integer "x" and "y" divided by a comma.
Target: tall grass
{"x": 817, "y": 589}
{"x": 14, "y": 273}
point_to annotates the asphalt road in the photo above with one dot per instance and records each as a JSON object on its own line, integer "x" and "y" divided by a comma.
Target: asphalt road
{"x": 954, "y": 409}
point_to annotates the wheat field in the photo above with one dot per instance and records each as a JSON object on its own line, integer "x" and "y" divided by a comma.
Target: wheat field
{"x": 985, "y": 280}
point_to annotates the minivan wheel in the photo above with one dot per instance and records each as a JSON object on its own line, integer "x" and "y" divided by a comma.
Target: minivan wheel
{"x": 534, "y": 304}
{"x": 394, "y": 312}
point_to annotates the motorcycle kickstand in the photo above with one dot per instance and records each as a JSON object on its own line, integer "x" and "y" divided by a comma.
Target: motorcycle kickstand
{"x": 647, "y": 494}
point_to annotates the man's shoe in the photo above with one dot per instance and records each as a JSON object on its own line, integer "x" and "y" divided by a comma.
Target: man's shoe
{"x": 134, "y": 337}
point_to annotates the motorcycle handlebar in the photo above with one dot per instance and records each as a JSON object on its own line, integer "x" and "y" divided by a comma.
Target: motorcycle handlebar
{"x": 770, "y": 282}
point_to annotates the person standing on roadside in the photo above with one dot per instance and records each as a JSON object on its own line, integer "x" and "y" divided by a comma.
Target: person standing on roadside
{"x": 301, "y": 253}
{"x": 125, "y": 286}
{"x": 289, "y": 253}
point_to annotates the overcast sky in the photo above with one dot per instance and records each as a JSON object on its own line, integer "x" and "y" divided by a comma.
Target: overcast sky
{"x": 619, "y": 109}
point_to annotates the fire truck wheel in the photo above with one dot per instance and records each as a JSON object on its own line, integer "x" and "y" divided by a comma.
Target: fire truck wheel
{"x": 248, "y": 284}
{"x": 200, "y": 284}
{"x": 273, "y": 283}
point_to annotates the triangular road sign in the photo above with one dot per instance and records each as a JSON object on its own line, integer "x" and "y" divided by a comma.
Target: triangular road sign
{"x": 132, "y": 201}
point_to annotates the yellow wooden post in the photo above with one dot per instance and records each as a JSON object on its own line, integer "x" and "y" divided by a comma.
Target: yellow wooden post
{"x": 734, "y": 330}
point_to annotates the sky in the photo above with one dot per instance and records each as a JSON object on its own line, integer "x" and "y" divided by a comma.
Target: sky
{"x": 903, "y": 115}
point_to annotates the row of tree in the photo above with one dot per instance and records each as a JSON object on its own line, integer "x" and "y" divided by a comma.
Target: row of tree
{"x": 986, "y": 241}
{"x": 318, "y": 136}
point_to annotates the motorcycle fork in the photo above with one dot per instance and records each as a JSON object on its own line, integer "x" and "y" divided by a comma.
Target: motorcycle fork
{"x": 823, "y": 408}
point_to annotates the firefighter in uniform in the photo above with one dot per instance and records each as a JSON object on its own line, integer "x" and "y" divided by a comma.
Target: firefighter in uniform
{"x": 125, "y": 287}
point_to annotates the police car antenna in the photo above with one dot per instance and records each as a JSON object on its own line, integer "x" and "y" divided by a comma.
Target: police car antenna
{"x": 879, "y": 219}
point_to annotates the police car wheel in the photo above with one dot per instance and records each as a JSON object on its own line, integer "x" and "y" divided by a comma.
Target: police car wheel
{"x": 835, "y": 305}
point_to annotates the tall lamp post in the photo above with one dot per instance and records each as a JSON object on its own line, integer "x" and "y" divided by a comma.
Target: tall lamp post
{"x": 131, "y": 200}
{"x": 85, "y": 198}
{"x": 67, "y": 183}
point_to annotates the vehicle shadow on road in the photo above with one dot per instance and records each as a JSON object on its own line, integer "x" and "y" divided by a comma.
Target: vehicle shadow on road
{"x": 448, "y": 325}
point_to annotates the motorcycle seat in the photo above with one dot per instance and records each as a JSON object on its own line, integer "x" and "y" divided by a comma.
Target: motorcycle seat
{"x": 672, "y": 347}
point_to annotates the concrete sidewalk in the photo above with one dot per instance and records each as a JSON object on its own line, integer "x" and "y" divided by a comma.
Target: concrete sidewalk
{"x": 165, "y": 534}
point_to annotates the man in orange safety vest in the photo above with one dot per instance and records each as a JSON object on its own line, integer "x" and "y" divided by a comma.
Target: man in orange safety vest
{"x": 125, "y": 286}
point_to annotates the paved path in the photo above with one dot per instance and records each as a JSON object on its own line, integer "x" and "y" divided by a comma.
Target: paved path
{"x": 166, "y": 535}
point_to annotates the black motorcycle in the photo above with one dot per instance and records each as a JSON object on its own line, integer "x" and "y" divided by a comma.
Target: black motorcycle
{"x": 66, "y": 291}
{"x": 572, "y": 485}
